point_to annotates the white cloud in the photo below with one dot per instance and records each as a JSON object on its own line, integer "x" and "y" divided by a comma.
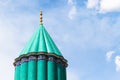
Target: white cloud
{"x": 109, "y": 54}
{"x": 109, "y": 5}
{"x": 70, "y": 2}
{"x": 72, "y": 12}
{"x": 104, "y": 5}
{"x": 117, "y": 62}
{"x": 92, "y": 3}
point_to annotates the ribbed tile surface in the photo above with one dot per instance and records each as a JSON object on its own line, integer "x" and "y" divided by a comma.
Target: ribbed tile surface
{"x": 41, "y": 42}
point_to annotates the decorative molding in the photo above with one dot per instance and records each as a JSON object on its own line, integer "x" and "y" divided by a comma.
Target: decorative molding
{"x": 40, "y": 56}
{"x": 51, "y": 58}
{"x": 59, "y": 61}
{"x": 18, "y": 63}
{"x": 32, "y": 58}
{"x": 24, "y": 60}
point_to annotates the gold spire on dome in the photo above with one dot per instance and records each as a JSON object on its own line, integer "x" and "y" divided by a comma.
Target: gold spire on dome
{"x": 41, "y": 21}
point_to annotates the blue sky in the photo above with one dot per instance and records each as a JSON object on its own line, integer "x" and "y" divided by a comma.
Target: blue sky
{"x": 86, "y": 31}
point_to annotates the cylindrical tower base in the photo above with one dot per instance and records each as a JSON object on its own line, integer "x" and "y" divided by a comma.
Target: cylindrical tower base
{"x": 52, "y": 70}
{"x": 41, "y": 68}
{"x": 64, "y": 73}
{"x": 59, "y": 69}
{"x": 24, "y": 69}
{"x": 17, "y": 73}
{"x": 32, "y": 68}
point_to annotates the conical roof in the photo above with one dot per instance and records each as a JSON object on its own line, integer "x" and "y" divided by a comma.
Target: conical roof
{"x": 41, "y": 42}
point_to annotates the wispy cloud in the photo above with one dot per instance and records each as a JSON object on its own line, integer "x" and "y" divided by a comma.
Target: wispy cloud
{"x": 73, "y": 9}
{"x": 104, "y": 6}
{"x": 117, "y": 62}
{"x": 109, "y": 55}
{"x": 109, "y": 5}
{"x": 72, "y": 12}
{"x": 70, "y": 2}
{"x": 92, "y": 3}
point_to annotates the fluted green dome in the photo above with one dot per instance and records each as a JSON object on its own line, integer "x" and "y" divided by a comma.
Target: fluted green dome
{"x": 41, "y": 42}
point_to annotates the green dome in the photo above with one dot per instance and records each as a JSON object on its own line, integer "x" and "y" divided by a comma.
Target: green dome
{"x": 41, "y": 42}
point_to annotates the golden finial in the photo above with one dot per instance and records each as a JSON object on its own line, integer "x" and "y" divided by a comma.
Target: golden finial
{"x": 41, "y": 17}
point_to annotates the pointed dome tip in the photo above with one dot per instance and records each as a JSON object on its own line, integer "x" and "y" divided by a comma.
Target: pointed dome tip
{"x": 41, "y": 21}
